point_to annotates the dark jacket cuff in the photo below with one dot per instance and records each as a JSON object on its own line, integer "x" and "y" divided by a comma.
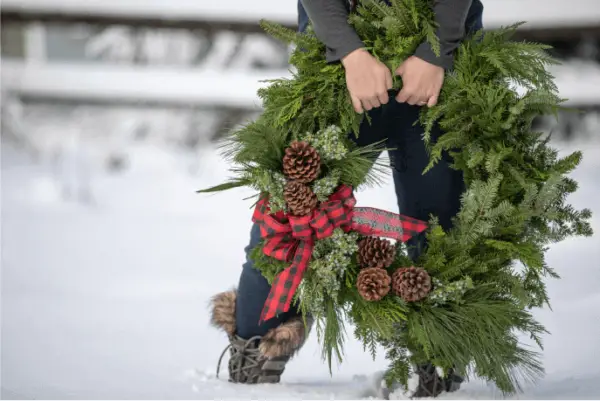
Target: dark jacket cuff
{"x": 425, "y": 52}
{"x": 341, "y": 51}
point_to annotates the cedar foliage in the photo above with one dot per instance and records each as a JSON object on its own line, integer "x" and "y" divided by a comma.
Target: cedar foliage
{"x": 513, "y": 207}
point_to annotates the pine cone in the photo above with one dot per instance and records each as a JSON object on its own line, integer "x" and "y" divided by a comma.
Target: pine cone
{"x": 373, "y": 283}
{"x": 301, "y": 162}
{"x": 411, "y": 283}
{"x": 375, "y": 252}
{"x": 300, "y": 198}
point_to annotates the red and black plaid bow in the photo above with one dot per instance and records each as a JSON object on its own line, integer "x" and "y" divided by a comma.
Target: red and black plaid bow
{"x": 291, "y": 238}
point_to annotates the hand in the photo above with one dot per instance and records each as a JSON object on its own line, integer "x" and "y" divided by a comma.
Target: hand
{"x": 421, "y": 82}
{"x": 367, "y": 79}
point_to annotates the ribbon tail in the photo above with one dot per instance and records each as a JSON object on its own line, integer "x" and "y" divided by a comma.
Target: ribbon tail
{"x": 286, "y": 283}
{"x": 372, "y": 221}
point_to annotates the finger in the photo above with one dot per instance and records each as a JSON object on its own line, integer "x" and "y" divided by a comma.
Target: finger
{"x": 422, "y": 101}
{"x": 403, "y": 96}
{"x": 416, "y": 97}
{"x": 382, "y": 96}
{"x": 367, "y": 105}
{"x": 419, "y": 98}
{"x": 413, "y": 100}
{"x": 374, "y": 101}
{"x": 389, "y": 82}
{"x": 400, "y": 70}
{"x": 432, "y": 101}
{"x": 356, "y": 104}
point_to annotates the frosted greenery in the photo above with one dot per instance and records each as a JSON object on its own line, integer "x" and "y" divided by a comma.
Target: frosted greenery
{"x": 449, "y": 292}
{"x": 331, "y": 142}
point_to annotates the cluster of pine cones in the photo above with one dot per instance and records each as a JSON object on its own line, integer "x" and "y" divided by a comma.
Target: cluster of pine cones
{"x": 374, "y": 256}
{"x": 301, "y": 165}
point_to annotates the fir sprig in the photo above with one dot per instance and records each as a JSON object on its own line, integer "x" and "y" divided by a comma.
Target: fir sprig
{"x": 484, "y": 323}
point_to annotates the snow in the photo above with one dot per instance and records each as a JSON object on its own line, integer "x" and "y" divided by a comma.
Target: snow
{"x": 106, "y": 275}
{"x": 108, "y": 298}
{"x": 579, "y": 82}
{"x": 538, "y": 13}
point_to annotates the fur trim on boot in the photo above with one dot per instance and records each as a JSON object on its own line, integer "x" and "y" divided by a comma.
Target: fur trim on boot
{"x": 284, "y": 340}
{"x": 223, "y": 312}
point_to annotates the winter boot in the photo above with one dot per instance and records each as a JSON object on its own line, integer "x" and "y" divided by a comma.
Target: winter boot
{"x": 426, "y": 382}
{"x": 257, "y": 359}
{"x": 432, "y": 382}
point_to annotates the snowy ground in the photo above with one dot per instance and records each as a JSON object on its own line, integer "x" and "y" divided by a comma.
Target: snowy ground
{"x": 108, "y": 299}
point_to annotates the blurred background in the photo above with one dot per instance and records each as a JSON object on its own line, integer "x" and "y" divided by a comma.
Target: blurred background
{"x": 110, "y": 112}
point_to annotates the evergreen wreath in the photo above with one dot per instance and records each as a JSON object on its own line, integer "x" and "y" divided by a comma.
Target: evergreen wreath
{"x": 463, "y": 303}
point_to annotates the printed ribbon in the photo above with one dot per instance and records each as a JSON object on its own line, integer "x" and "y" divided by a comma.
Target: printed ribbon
{"x": 291, "y": 238}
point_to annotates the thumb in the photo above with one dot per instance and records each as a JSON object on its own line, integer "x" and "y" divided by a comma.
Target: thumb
{"x": 433, "y": 100}
{"x": 400, "y": 70}
{"x": 389, "y": 82}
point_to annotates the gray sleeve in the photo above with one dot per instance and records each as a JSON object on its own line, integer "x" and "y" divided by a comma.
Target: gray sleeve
{"x": 451, "y": 17}
{"x": 330, "y": 22}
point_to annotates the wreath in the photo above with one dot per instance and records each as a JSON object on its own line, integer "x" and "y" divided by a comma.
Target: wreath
{"x": 463, "y": 303}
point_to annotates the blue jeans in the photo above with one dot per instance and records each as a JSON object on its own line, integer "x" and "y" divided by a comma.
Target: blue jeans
{"x": 419, "y": 196}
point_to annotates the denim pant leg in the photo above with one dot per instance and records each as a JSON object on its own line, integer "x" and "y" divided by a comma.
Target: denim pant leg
{"x": 303, "y": 20}
{"x": 252, "y": 293}
{"x": 253, "y": 288}
{"x": 420, "y": 195}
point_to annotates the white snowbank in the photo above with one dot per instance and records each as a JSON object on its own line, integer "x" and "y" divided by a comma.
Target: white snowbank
{"x": 109, "y": 300}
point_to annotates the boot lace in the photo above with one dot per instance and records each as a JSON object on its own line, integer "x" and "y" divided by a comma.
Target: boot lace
{"x": 245, "y": 356}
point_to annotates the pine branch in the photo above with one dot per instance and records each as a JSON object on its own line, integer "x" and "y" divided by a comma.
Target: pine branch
{"x": 235, "y": 183}
{"x": 332, "y": 332}
{"x": 482, "y": 317}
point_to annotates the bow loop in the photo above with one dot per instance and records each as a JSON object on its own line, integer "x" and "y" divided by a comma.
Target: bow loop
{"x": 300, "y": 226}
{"x": 291, "y": 238}
{"x": 329, "y": 216}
